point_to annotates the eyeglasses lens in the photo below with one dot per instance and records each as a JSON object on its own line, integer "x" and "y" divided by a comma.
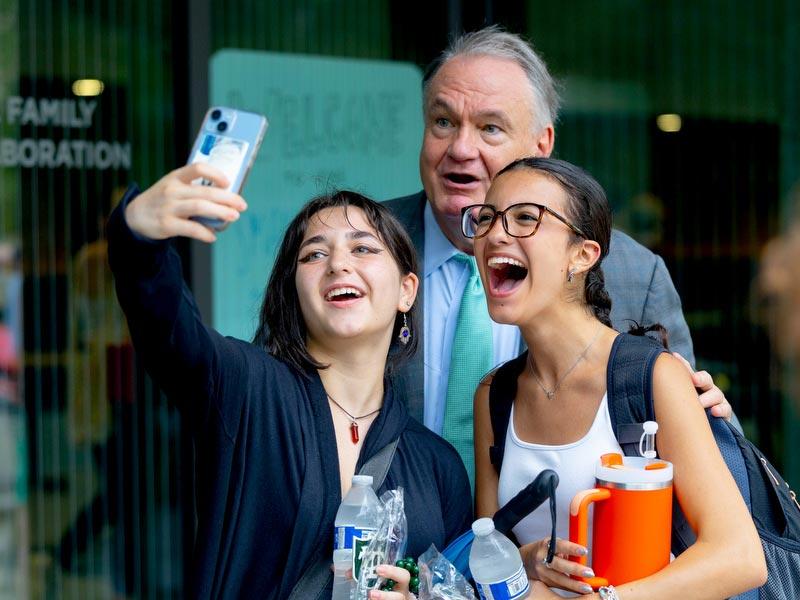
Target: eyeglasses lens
{"x": 477, "y": 221}
{"x": 520, "y": 220}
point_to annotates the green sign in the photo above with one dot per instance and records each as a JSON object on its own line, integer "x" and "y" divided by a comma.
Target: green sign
{"x": 333, "y": 123}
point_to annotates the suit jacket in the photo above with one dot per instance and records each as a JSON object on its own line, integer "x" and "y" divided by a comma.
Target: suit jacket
{"x": 637, "y": 280}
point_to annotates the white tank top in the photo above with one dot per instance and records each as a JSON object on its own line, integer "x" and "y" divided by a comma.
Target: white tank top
{"x": 575, "y": 464}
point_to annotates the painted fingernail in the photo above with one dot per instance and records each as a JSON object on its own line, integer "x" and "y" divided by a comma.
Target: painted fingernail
{"x": 588, "y": 573}
{"x": 586, "y": 588}
{"x": 583, "y": 552}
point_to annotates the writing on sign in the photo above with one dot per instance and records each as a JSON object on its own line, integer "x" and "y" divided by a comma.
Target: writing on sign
{"x": 66, "y": 114}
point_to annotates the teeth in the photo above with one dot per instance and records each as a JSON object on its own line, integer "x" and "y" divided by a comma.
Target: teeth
{"x": 341, "y": 292}
{"x": 504, "y": 260}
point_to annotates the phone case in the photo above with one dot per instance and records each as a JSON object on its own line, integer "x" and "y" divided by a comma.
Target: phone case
{"x": 229, "y": 140}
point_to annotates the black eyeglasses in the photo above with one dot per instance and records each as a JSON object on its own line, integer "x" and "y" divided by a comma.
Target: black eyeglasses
{"x": 519, "y": 220}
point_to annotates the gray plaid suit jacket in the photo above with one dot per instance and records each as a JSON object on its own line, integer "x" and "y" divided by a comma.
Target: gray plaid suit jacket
{"x": 637, "y": 280}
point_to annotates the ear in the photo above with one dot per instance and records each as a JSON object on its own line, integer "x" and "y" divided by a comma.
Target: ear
{"x": 584, "y": 256}
{"x": 545, "y": 141}
{"x": 409, "y": 284}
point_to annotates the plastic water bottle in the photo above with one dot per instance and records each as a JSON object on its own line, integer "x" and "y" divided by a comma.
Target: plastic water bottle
{"x": 496, "y": 564}
{"x": 357, "y": 520}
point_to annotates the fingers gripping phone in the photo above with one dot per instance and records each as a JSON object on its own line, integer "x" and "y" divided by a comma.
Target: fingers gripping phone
{"x": 228, "y": 140}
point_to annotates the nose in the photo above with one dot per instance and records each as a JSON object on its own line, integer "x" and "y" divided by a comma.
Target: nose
{"x": 339, "y": 260}
{"x": 497, "y": 233}
{"x": 463, "y": 145}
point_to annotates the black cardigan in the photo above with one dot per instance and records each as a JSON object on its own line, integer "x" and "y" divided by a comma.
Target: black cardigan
{"x": 267, "y": 482}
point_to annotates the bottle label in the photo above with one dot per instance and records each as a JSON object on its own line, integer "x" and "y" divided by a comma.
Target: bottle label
{"x": 516, "y": 586}
{"x": 355, "y": 539}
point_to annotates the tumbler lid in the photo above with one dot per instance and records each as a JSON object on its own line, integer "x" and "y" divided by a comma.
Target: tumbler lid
{"x": 633, "y": 472}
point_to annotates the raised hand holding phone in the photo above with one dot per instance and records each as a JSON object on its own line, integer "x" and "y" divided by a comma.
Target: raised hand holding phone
{"x": 228, "y": 140}
{"x": 170, "y": 206}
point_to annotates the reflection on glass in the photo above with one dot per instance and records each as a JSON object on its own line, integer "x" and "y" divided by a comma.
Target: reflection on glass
{"x": 13, "y": 446}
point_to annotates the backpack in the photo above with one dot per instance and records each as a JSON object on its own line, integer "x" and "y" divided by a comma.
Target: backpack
{"x": 772, "y": 504}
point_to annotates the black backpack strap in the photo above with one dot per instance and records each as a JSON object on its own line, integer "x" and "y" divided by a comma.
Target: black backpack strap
{"x": 502, "y": 391}
{"x": 312, "y": 584}
{"x": 630, "y": 404}
{"x": 314, "y": 581}
{"x": 630, "y": 387}
{"x": 378, "y": 465}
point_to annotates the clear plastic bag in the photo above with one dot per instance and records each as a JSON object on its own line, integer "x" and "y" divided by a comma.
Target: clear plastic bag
{"x": 388, "y": 545}
{"x": 440, "y": 580}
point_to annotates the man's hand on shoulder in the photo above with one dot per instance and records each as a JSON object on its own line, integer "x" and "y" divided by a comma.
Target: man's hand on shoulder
{"x": 709, "y": 394}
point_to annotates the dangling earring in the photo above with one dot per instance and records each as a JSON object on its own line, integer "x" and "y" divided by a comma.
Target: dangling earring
{"x": 405, "y": 333}
{"x": 570, "y": 275}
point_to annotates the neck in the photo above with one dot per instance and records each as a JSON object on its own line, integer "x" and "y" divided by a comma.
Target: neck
{"x": 355, "y": 376}
{"x": 556, "y": 340}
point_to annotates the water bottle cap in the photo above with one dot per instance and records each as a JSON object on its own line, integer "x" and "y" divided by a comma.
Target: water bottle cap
{"x": 363, "y": 480}
{"x": 650, "y": 427}
{"x": 483, "y": 527}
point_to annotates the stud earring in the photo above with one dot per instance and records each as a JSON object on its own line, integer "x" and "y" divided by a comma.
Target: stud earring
{"x": 570, "y": 275}
{"x": 405, "y": 333}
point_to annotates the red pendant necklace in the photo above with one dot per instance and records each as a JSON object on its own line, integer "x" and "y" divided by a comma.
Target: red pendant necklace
{"x": 353, "y": 419}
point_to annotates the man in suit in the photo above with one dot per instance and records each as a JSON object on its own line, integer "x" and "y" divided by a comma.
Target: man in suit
{"x": 487, "y": 101}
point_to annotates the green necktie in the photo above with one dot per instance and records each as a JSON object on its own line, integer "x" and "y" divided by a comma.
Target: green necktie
{"x": 470, "y": 360}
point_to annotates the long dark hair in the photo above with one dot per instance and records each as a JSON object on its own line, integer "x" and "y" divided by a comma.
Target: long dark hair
{"x": 281, "y": 328}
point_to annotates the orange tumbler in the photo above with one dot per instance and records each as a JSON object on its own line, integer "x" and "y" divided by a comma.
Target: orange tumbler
{"x": 632, "y": 527}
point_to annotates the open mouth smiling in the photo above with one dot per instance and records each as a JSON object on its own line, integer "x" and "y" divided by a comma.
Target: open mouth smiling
{"x": 505, "y": 275}
{"x": 343, "y": 294}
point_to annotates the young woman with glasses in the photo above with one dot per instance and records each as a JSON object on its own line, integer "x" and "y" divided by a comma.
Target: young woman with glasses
{"x": 539, "y": 242}
{"x": 282, "y": 424}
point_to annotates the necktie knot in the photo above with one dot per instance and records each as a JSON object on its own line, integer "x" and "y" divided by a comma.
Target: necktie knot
{"x": 474, "y": 275}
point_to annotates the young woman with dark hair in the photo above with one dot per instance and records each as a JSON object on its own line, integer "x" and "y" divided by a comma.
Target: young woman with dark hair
{"x": 539, "y": 242}
{"x": 282, "y": 424}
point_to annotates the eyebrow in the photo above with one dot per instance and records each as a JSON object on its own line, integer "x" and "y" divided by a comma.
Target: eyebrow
{"x": 353, "y": 235}
{"x": 439, "y": 103}
{"x": 490, "y": 115}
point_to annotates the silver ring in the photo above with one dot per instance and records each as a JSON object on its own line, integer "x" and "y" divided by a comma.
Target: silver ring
{"x": 545, "y": 563}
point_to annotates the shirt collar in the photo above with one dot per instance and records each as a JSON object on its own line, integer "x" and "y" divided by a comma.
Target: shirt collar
{"x": 438, "y": 249}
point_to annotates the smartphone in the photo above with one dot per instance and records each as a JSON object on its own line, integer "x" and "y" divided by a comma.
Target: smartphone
{"x": 229, "y": 140}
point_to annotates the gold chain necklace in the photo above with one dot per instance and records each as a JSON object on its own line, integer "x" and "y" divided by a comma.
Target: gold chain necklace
{"x": 551, "y": 394}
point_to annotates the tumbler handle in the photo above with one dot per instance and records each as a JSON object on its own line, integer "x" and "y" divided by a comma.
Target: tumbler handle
{"x": 579, "y": 527}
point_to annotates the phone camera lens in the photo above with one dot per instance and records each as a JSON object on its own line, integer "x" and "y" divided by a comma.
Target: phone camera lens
{"x": 216, "y": 114}
{"x": 222, "y": 126}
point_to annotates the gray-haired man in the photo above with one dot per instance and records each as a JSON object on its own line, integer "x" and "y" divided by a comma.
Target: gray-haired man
{"x": 488, "y": 100}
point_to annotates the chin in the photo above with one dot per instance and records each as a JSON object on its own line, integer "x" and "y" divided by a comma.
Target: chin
{"x": 503, "y": 315}
{"x": 450, "y": 204}
{"x": 347, "y": 333}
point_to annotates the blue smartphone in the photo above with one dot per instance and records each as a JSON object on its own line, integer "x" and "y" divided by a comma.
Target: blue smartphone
{"x": 229, "y": 140}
